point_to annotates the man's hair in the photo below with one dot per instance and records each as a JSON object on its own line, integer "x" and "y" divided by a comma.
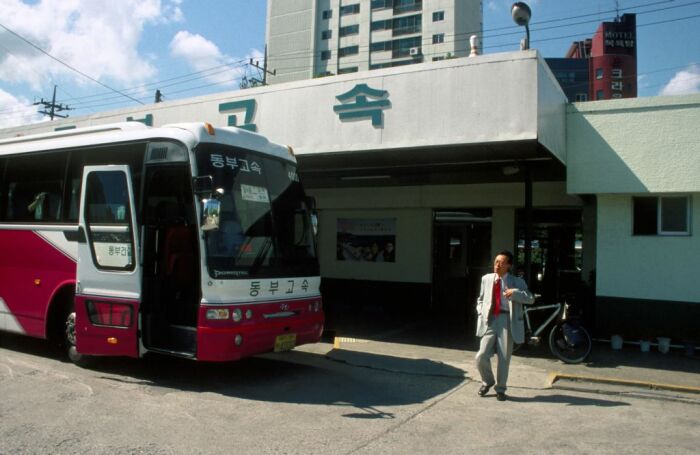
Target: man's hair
{"x": 507, "y": 254}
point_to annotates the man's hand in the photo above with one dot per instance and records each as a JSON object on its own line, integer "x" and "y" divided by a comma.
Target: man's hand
{"x": 509, "y": 292}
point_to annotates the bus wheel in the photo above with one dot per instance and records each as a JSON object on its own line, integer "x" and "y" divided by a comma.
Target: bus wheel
{"x": 69, "y": 338}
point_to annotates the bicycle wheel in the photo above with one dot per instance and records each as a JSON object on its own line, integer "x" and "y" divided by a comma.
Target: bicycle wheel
{"x": 570, "y": 342}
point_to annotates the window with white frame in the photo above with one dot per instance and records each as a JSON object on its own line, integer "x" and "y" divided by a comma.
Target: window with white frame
{"x": 661, "y": 215}
{"x": 438, "y": 38}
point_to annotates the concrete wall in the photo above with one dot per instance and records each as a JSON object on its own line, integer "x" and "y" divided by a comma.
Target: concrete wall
{"x": 487, "y": 99}
{"x": 413, "y": 247}
{"x": 644, "y": 267}
{"x": 413, "y": 209}
{"x": 634, "y": 145}
{"x": 290, "y": 39}
{"x": 621, "y": 148}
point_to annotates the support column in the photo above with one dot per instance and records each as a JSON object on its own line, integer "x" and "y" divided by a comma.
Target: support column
{"x": 528, "y": 224}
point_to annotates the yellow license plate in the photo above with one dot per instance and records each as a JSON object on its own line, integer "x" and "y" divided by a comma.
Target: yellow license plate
{"x": 285, "y": 342}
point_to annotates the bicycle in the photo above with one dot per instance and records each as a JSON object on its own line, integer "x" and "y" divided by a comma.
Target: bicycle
{"x": 569, "y": 341}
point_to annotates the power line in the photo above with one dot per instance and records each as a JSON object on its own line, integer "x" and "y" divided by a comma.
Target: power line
{"x": 202, "y": 74}
{"x": 101, "y": 97}
{"x": 227, "y": 66}
{"x": 157, "y": 83}
{"x": 517, "y": 31}
{"x": 66, "y": 64}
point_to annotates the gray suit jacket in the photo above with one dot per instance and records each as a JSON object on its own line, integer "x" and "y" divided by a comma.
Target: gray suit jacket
{"x": 521, "y": 296}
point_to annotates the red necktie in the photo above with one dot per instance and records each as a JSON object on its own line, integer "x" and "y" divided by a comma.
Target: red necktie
{"x": 496, "y": 298}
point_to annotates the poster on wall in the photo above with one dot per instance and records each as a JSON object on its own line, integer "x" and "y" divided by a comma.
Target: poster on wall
{"x": 366, "y": 240}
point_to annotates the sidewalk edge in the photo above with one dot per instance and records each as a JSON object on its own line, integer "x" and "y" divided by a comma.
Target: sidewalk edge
{"x": 554, "y": 376}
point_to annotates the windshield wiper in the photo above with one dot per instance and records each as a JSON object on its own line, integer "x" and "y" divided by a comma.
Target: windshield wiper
{"x": 260, "y": 258}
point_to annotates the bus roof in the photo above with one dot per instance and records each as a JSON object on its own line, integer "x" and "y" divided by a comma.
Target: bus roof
{"x": 188, "y": 133}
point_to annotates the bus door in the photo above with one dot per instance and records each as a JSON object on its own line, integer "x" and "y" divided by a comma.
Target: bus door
{"x": 108, "y": 290}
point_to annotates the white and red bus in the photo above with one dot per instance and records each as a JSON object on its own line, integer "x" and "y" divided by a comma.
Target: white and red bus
{"x": 187, "y": 240}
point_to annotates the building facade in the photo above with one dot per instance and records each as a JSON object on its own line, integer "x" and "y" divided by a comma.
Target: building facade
{"x": 315, "y": 38}
{"x": 417, "y": 189}
{"x": 602, "y": 67}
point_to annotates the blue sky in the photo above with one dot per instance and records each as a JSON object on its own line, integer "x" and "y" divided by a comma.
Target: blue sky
{"x": 193, "y": 47}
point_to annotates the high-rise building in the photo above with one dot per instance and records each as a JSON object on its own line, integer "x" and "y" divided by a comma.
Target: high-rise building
{"x": 602, "y": 67}
{"x": 314, "y": 38}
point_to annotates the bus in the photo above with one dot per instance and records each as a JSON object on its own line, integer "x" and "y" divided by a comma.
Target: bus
{"x": 186, "y": 240}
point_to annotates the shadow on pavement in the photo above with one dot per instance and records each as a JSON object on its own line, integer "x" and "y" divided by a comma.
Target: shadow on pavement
{"x": 568, "y": 400}
{"x": 603, "y": 357}
{"x": 294, "y": 377}
{"x": 441, "y": 331}
{"x": 418, "y": 367}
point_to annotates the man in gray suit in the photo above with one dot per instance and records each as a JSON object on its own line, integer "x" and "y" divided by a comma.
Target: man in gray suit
{"x": 500, "y": 322}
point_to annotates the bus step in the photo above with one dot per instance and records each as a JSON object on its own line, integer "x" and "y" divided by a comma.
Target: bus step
{"x": 184, "y": 355}
{"x": 182, "y": 338}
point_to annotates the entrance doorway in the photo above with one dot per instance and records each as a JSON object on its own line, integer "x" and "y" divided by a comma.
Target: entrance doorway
{"x": 461, "y": 256}
{"x": 557, "y": 247}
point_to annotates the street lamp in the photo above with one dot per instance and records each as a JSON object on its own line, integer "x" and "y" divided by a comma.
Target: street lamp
{"x": 521, "y": 15}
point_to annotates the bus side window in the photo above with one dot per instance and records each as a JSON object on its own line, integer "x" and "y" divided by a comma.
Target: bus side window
{"x": 35, "y": 187}
{"x": 3, "y": 190}
{"x": 129, "y": 154}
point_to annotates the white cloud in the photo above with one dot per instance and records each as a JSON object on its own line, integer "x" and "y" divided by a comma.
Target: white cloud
{"x": 98, "y": 37}
{"x": 203, "y": 55}
{"x": 493, "y": 5}
{"x": 642, "y": 81}
{"x": 16, "y": 111}
{"x": 684, "y": 82}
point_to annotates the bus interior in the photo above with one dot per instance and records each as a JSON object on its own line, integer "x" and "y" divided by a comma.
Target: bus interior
{"x": 171, "y": 271}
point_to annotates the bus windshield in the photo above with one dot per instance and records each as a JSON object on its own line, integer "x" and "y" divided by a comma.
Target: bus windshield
{"x": 264, "y": 228}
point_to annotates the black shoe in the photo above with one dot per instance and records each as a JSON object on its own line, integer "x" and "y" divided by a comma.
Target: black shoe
{"x": 501, "y": 396}
{"x": 484, "y": 390}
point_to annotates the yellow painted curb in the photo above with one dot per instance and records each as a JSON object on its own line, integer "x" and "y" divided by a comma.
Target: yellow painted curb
{"x": 553, "y": 377}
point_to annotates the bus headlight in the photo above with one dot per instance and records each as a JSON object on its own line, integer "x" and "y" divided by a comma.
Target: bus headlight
{"x": 238, "y": 339}
{"x": 237, "y": 315}
{"x": 217, "y": 314}
{"x": 249, "y": 314}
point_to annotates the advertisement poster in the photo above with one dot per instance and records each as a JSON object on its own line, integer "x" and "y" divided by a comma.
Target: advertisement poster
{"x": 368, "y": 240}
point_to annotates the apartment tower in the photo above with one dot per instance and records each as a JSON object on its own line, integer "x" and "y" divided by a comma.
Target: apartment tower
{"x": 316, "y": 38}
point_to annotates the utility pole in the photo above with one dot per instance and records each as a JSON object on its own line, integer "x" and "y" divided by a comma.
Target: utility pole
{"x": 262, "y": 69}
{"x": 50, "y": 108}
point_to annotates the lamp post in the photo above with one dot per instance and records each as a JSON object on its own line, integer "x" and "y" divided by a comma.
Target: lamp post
{"x": 521, "y": 15}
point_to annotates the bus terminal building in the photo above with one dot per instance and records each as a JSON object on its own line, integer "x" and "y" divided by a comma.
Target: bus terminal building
{"x": 422, "y": 173}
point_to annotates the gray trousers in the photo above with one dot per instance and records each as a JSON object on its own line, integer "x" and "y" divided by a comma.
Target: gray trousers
{"x": 497, "y": 339}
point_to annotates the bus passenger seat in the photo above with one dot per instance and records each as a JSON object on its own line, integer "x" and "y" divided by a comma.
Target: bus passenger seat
{"x": 178, "y": 254}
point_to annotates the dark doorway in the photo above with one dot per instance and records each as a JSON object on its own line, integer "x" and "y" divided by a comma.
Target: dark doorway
{"x": 461, "y": 256}
{"x": 557, "y": 247}
{"x": 171, "y": 272}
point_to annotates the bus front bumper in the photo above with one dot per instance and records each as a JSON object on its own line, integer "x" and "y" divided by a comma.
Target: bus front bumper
{"x": 269, "y": 330}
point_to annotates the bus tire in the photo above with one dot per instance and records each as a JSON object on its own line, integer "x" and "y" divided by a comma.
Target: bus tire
{"x": 71, "y": 351}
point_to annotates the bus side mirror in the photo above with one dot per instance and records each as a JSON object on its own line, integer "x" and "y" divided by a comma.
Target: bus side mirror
{"x": 211, "y": 211}
{"x": 203, "y": 185}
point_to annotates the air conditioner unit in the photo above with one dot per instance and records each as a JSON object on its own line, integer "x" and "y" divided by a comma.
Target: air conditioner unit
{"x": 414, "y": 51}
